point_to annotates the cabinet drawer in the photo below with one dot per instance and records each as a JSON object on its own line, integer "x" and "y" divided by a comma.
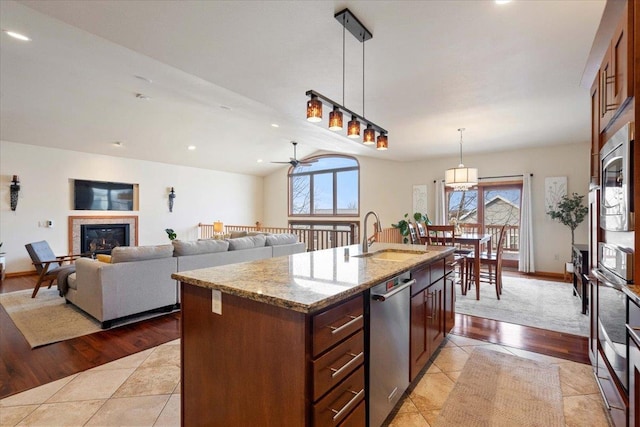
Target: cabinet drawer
{"x": 449, "y": 262}
{"x": 357, "y": 418}
{"x": 337, "y": 364}
{"x": 335, "y": 406}
{"x": 337, "y": 323}
{"x": 423, "y": 279}
{"x": 437, "y": 270}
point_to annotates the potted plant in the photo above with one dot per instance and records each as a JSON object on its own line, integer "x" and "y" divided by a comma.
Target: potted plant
{"x": 170, "y": 233}
{"x": 403, "y": 224}
{"x": 571, "y": 212}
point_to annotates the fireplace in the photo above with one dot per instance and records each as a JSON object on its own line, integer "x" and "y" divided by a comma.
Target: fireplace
{"x": 77, "y": 237}
{"x": 101, "y": 238}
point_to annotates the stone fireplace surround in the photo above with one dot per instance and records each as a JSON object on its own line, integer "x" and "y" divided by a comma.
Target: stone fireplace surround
{"x": 76, "y": 221}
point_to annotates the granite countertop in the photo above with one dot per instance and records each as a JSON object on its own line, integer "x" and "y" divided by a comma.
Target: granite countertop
{"x": 310, "y": 281}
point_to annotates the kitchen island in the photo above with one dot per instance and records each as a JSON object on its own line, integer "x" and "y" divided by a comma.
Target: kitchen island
{"x": 282, "y": 341}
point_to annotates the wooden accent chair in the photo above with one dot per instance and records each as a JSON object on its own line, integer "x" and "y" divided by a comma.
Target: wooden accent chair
{"x": 47, "y": 264}
{"x": 490, "y": 266}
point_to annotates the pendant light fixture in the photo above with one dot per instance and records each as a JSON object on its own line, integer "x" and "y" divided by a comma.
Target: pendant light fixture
{"x": 336, "y": 121}
{"x": 461, "y": 178}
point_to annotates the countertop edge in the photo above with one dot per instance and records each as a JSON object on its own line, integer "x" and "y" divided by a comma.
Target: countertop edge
{"x": 314, "y": 307}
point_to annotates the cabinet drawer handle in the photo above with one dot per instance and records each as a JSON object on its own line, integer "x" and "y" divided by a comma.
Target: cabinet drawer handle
{"x": 354, "y": 358}
{"x": 354, "y": 399}
{"x": 336, "y": 330}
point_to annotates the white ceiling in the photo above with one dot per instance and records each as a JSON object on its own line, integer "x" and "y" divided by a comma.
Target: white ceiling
{"x": 509, "y": 74}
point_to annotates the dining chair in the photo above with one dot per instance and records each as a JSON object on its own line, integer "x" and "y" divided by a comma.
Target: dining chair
{"x": 444, "y": 235}
{"x": 413, "y": 234}
{"x": 422, "y": 233}
{"x": 47, "y": 264}
{"x": 490, "y": 267}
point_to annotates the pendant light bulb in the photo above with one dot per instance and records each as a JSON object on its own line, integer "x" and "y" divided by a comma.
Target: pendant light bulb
{"x": 335, "y": 119}
{"x": 353, "y": 131}
{"x": 369, "y": 137}
{"x": 314, "y": 109}
{"x": 383, "y": 143}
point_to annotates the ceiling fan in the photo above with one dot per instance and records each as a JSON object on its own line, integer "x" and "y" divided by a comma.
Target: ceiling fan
{"x": 294, "y": 160}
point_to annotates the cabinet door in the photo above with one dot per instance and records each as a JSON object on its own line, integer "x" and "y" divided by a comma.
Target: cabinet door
{"x": 622, "y": 85}
{"x": 449, "y": 303}
{"x": 634, "y": 383}
{"x": 593, "y": 318}
{"x": 595, "y": 130}
{"x": 419, "y": 351}
{"x": 435, "y": 315}
{"x": 607, "y": 108}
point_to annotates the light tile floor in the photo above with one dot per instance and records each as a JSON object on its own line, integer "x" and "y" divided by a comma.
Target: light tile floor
{"x": 144, "y": 390}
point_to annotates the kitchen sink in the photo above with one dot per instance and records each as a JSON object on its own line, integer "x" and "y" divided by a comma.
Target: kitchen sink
{"x": 391, "y": 255}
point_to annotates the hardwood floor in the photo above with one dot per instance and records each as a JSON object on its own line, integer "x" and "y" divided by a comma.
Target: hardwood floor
{"x": 22, "y": 368}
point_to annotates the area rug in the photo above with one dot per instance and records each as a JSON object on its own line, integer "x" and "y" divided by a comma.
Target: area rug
{"x": 47, "y": 318}
{"x": 530, "y": 302}
{"x": 500, "y": 390}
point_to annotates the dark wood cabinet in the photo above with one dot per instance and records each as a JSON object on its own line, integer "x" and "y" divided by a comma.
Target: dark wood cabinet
{"x": 432, "y": 311}
{"x": 595, "y": 130}
{"x": 616, "y": 71}
{"x": 580, "y": 270}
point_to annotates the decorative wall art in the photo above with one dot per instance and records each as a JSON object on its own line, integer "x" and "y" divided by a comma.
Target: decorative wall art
{"x": 420, "y": 198}
{"x": 554, "y": 188}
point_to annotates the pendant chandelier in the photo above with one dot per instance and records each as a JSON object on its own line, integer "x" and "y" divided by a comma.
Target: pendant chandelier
{"x": 461, "y": 178}
{"x": 316, "y": 100}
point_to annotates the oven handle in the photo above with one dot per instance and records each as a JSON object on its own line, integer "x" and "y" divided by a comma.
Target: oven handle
{"x": 606, "y": 280}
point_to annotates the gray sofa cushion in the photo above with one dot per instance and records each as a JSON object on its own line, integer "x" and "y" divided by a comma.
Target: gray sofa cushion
{"x": 199, "y": 247}
{"x": 281, "y": 239}
{"x": 246, "y": 242}
{"x": 140, "y": 253}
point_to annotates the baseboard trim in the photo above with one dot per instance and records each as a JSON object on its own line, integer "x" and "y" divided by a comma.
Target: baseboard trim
{"x": 21, "y": 274}
{"x": 548, "y": 275}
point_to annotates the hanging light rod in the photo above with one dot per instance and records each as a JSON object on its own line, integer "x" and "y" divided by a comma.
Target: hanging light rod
{"x": 315, "y": 95}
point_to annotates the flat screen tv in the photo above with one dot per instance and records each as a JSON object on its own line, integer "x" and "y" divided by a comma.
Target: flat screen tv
{"x": 102, "y": 196}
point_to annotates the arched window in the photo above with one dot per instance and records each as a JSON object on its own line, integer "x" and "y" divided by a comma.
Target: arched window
{"x": 328, "y": 187}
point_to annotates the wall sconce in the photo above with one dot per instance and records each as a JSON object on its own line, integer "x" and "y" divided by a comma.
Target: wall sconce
{"x": 172, "y": 195}
{"x": 15, "y": 190}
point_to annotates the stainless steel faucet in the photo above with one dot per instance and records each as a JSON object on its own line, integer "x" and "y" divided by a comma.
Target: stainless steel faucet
{"x": 377, "y": 226}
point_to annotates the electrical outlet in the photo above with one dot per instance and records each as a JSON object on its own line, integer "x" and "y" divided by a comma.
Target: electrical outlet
{"x": 216, "y": 301}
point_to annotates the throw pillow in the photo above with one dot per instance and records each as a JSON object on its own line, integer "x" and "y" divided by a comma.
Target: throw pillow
{"x": 281, "y": 239}
{"x": 140, "y": 253}
{"x": 236, "y": 234}
{"x": 204, "y": 246}
{"x": 246, "y": 242}
{"x": 104, "y": 258}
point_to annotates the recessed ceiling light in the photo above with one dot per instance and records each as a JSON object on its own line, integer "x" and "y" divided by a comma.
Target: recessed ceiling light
{"x": 259, "y": 160}
{"x": 275, "y": 125}
{"x": 503, "y": 1}
{"x": 117, "y": 144}
{"x": 142, "y": 96}
{"x": 224, "y": 107}
{"x": 17, "y": 35}
{"x": 191, "y": 147}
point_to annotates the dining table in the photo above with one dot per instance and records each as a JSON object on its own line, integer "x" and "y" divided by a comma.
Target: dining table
{"x": 477, "y": 240}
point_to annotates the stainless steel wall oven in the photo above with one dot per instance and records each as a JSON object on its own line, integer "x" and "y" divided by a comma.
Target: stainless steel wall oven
{"x": 616, "y": 195}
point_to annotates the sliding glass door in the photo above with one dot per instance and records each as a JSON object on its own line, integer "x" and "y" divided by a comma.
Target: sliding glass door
{"x": 490, "y": 206}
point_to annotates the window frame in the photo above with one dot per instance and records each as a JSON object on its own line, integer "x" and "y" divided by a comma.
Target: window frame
{"x": 311, "y": 174}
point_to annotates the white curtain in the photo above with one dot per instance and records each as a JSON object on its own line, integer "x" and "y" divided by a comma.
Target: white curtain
{"x": 526, "y": 258}
{"x": 441, "y": 208}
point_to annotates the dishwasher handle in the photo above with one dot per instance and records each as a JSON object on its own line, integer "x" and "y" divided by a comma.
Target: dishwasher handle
{"x": 384, "y": 297}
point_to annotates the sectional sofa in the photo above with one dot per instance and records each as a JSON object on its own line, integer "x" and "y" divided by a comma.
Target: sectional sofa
{"x": 138, "y": 279}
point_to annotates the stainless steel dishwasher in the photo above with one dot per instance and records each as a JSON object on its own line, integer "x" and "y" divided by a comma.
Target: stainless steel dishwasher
{"x": 389, "y": 307}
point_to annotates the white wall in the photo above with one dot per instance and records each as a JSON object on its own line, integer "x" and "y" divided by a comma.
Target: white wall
{"x": 201, "y": 196}
{"x": 387, "y": 187}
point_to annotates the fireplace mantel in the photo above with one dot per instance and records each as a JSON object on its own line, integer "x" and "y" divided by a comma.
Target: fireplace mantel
{"x": 76, "y": 221}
